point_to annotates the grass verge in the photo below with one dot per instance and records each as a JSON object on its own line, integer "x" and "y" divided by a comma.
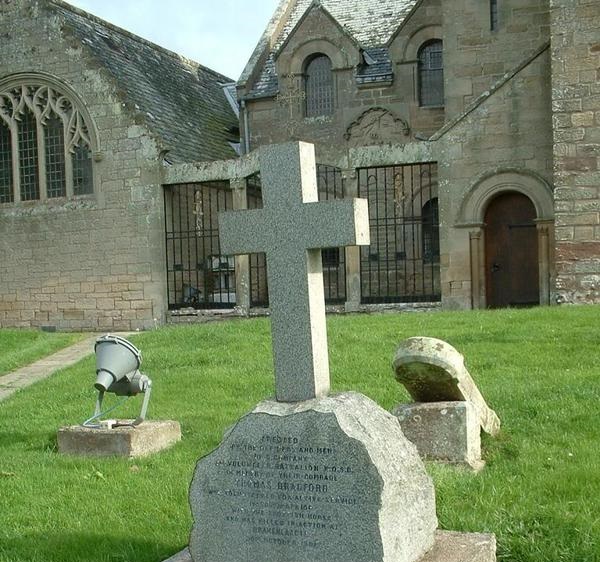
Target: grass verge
{"x": 22, "y": 347}
{"x": 540, "y": 490}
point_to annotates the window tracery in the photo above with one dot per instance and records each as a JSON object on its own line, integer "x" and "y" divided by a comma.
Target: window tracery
{"x": 45, "y": 145}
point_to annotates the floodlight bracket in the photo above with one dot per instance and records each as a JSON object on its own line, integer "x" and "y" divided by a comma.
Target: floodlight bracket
{"x": 128, "y": 386}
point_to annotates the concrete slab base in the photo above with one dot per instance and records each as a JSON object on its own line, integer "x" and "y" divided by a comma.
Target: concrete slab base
{"x": 443, "y": 431}
{"x": 449, "y": 546}
{"x": 147, "y": 438}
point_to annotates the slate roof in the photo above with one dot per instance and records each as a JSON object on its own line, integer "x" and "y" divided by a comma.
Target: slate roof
{"x": 371, "y": 23}
{"x": 182, "y": 102}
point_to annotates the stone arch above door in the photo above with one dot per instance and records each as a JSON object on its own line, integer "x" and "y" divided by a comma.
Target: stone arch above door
{"x": 485, "y": 188}
{"x": 471, "y": 216}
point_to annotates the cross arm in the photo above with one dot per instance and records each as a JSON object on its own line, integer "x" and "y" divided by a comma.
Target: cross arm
{"x": 241, "y": 232}
{"x": 344, "y": 222}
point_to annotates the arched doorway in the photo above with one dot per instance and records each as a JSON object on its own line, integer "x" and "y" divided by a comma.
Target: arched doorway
{"x": 511, "y": 251}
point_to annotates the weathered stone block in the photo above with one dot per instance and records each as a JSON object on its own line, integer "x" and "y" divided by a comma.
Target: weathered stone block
{"x": 443, "y": 431}
{"x": 433, "y": 371}
{"x": 147, "y": 438}
{"x": 326, "y": 479}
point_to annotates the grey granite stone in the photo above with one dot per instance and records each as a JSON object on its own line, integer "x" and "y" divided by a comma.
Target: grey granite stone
{"x": 291, "y": 229}
{"x": 449, "y": 546}
{"x": 434, "y": 371}
{"x": 443, "y": 431}
{"x": 140, "y": 441}
{"x": 330, "y": 479}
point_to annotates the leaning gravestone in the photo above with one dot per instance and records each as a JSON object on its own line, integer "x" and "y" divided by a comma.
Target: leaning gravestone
{"x": 309, "y": 477}
{"x": 449, "y": 410}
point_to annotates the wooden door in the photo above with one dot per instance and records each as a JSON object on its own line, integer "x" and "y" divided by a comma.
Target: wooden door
{"x": 511, "y": 252}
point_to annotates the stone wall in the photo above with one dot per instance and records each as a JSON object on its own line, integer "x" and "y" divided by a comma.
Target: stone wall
{"x": 475, "y": 56}
{"x": 92, "y": 262}
{"x": 505, "y": 143}
{"x": 271, "y": 121}
{"x": 576, "y": 115}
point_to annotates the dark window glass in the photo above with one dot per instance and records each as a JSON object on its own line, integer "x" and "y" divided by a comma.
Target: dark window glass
{"x": 28, "y": 158}
{"x": 494, "y": 22}
{"x": 82, "y": 171}
{"x": 319, "y": 86}
{"x": 431, "y": 74}
{"x": 431, "y": 231}
{"x": 54, "y": 137}
{"x": 6, "y": 180}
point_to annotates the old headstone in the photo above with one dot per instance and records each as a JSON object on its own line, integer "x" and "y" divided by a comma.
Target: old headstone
{"x": 434, "y": 371}
{"x": 449, "y": 410}
{"x": 308, "y": 477}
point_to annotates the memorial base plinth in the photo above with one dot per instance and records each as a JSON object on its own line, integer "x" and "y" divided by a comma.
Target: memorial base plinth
{"x": 443, "y": 431}
{"x": 145, "y": 439}
{"x": 448, "y": 547}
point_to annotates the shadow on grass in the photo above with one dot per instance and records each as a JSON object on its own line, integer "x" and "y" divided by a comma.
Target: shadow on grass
{"x": 32, "y": 440}
{"x": 84, "y": 547}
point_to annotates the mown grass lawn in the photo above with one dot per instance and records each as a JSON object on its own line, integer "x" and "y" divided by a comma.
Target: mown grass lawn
{"x": 22, "y": 347}
{"x": 540, "y": 491}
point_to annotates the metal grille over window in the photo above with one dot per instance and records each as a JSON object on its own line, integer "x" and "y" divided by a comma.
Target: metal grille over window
{"x": 319, "y": 86}
{"x": 198, "y": 275}
{"x": 431, "y": 231}
{"x": 82, "y": 171}
{"x": 53, "y": 144}
{"x": 6, "y": 193}
{"x": 54, "y": 137}
{"x": 330, "y": 186}
{"x": 494, "y": 22}
{"x": 259, "y": 293}
{"x": 431, "y": 74}
{"x": 28, "y": 158}
{"x": 400, "y": 264}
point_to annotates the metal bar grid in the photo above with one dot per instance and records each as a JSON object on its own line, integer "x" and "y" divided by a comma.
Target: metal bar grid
{"x": 6, "y": 178}
{"x": 259, "y": 292}
{"x": 83, "y": 183}
{"x": 54, "y": 143}
{"x": 28, "y": 157}
{"x": 330, "y": 186}
{"x": 319, "y": 87}
{"x": 402, "y": 262}
{"x": 198, "y": 276}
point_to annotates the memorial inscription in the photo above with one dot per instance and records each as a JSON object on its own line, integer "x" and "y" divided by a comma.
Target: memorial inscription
{"x": 293, "y": 488}
{"x": 309, "y": 482}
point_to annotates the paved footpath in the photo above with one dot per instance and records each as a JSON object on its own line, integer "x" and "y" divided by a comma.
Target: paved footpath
{"x": 42, "y": 369}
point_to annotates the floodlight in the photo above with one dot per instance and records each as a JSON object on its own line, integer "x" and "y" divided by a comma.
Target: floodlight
{"x": 117, "y": 371}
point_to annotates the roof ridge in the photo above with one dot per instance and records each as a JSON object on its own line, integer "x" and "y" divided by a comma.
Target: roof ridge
{"x": 490, "y": 91}
{"x": 190, "y": 62}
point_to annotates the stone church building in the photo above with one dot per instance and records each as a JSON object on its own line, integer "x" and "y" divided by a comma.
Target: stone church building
{"x": 472, "y": 127}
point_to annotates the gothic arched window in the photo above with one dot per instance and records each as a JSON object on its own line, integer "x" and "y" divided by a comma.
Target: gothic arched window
{"x": 318, "y": 86}
{"x": 431, "y": 74}
{"x": 430, "y": 220}
{"x": 45, "y": 146}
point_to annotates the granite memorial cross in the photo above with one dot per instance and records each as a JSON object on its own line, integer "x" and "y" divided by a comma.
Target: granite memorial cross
{"x": 291, "y": 229}
{"x": 311, "y": 477}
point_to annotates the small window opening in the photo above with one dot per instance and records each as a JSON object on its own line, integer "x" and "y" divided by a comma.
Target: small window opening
{"x": 494, "y": 21}
{"x": 431, "y": 74}
{"x": 318, "y": 86}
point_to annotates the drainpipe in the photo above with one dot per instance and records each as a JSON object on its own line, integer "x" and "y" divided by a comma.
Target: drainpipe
{"x": 246, "y": 130}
